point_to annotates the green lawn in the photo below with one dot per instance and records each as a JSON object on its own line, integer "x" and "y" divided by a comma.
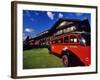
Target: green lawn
{"x": 40, "y": 58}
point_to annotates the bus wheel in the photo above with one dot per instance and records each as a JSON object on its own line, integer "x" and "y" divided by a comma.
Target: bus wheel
{"x": 65, "y": 60}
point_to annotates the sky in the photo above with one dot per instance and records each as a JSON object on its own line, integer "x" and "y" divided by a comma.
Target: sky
{"x": 35, "y": 22}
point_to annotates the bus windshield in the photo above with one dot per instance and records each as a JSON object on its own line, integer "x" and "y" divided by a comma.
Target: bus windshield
{"x": 85, "y": 39}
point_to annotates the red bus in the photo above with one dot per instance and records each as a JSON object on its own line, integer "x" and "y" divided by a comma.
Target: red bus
{"x": 73, "y": 48}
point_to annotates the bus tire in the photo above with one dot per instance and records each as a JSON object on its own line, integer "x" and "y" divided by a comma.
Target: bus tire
{"x": 65, "y": 60}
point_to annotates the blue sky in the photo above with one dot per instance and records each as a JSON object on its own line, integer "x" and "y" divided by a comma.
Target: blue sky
{"x": 35, "y": 22}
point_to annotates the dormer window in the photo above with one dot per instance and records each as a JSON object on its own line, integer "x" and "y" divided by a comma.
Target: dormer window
{"x": 63, "y": 23}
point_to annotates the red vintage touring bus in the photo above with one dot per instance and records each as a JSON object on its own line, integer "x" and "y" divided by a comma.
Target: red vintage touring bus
{"x": 73, "y": 48}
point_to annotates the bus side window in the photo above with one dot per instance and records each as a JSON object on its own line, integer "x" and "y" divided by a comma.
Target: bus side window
{"x": 66, "y": 39}
{"x": 54, "y": 41}
{"x": 60, "y": 40}
{"x": 73, "y": 39}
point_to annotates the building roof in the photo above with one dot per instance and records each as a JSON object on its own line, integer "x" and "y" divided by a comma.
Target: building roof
{"x": 58, "y": 24}
{"x": 65, "y": 19}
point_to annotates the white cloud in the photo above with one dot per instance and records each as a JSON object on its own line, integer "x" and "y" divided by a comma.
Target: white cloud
{"x": 60, "y": 15}
{"x": 29, "y": 30}
{"x": 50, "y": 15}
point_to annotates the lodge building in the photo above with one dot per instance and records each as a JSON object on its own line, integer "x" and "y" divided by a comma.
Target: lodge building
{"x": 62, "y": 26}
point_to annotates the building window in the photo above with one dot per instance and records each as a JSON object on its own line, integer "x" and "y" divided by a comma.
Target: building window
{"x": 64, "y": 23}
{"x": 65, "y": 30}
{"x": 59, "y": 32}
{"x": 73, "y": 28}
{"x": 60, "y": 40}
